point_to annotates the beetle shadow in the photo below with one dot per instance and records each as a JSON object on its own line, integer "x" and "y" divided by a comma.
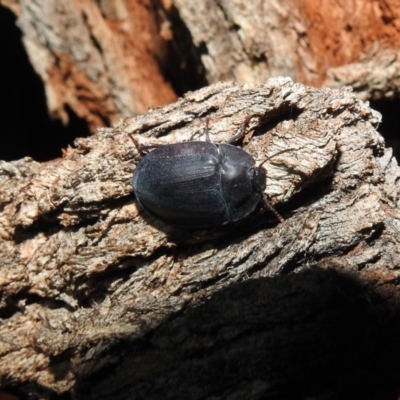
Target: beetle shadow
{"x": 260, "y": 219}
{"x": 195, "y": 240}
{"x": 302, "y": 199}
{"x": 183, "y": 235}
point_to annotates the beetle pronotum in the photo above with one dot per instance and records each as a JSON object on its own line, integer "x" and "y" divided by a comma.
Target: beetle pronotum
{"x": 201, "y": 184}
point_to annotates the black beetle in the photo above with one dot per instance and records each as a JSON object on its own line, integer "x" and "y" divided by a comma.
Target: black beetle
{"x": 200, "y": 184}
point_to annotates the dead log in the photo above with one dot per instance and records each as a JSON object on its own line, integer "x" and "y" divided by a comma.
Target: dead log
{"x": 101, "y": 300}
{"x": 90, "y": 60}
{"x": 375, "y": 77}
{"x": 250, "y": 41}
{"x": 110, "y": 59}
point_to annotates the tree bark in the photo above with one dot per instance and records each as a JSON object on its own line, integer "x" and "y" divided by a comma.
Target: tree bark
{"x": 103, "y": 301}
{"x": 90, "y": 59}
{"x": 250, "y": 41}
{"x": 110, "y": 59}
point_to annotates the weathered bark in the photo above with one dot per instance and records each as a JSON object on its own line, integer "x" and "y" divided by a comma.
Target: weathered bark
{"x": 109, "y": 59}
{"x": 90, "y": 59}
{"x": 375, "y": 77}
{"x": 250, "y": 41}
{"x": 96, "y": 294}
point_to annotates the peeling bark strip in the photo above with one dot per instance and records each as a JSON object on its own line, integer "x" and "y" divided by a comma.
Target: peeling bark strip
{"x": 250, "y": 41}
{"x": 86, "y": 275}
{"x": 90, "y": 59}
{"x": 109, "y": 59}
{"x": 375, "y": 77}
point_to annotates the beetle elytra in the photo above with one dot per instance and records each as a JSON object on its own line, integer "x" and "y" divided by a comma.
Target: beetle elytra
{"x": 200, "y": 185}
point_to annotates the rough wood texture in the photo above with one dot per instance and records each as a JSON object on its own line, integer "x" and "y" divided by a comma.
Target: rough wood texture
{"x": 375, "y": 77}
{"x": 96, "y": 294}
{"x": 250, "y": 41}
{"x": 89, "y": 58}
{"x": 107, "y": 59}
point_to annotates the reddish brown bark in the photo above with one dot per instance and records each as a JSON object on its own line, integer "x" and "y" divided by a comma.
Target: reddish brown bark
{"x": 108, "y": 59}
{"x": 341, "y": 33}
{"x": 104, "y": 60}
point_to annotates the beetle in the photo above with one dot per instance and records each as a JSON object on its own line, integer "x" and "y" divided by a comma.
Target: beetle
{"x": 200, "y": 185}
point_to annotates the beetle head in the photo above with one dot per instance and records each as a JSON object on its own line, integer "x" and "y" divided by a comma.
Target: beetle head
{"x": 258, "y": 179}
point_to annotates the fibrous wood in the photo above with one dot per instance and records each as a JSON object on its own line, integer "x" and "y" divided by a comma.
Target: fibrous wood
{"x": 113, "y": 58}
{"x": 101, "y": 59}
{"x": 375, "y": 77}
{"x": 99, "y": 299}
{"x": 250, "y": 41}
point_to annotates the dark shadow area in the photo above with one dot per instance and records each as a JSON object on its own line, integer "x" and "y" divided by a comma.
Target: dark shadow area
{"x": 284, "y": 112}
{"x": 26, "y": 128}
{"x": 390, "y": 126}
{"x": 183, "y": 67}
{"x": 314, "y": 335}
{"x": 30, "y": 393}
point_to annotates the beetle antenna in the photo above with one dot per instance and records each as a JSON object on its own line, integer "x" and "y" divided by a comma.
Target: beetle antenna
{"x": 268, "y": 205}
{"x": 141, "y": 149}
{"x": 274, "y": 155}
{"x": 266, "y": 202}
{"x": 137, "y": 145}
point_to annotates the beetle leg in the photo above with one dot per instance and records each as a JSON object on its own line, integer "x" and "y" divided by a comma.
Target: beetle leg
{"x": 137, "y": 145}
{"x": 268, "y": 205}
{"x": 141, "y": 149}
{"x": 242, "y": 129}
{"x": 207, "y": 131}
